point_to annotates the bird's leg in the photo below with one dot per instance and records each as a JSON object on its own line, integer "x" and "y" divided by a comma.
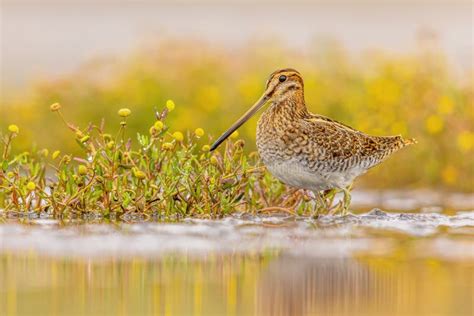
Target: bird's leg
{"x": 329, "y": 196}
{"x": 311, "y": 194}
{"x": 319, "y": 203}
{"x": 347, "y": 198}
{"x": 299, "y": 199}
{"x": 292, "y": 197}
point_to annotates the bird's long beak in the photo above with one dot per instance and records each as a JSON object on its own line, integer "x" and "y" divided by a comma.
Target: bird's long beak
{"x": 261, "y": 102}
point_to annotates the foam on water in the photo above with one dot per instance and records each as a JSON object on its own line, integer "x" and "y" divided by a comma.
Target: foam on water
{"x": 375, "y": 232}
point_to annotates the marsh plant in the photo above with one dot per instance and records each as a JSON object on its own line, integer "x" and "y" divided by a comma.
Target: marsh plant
{"x": 417, "y": 93}
{"x": 165, "y": 174}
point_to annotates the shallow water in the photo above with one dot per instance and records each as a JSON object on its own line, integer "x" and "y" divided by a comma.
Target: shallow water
{"x": 374, "y": 263}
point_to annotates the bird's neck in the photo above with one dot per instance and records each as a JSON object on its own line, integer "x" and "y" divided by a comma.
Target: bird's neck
{"x": 290, "y": 105}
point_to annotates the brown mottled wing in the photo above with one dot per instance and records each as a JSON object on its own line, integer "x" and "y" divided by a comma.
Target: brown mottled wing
{"x": 316, "y": 117}
{"x": 336, "y": 141}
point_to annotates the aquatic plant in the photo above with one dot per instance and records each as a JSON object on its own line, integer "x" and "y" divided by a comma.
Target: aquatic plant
{"x": 165, "y": 174}
{"x": 417, "y": 94}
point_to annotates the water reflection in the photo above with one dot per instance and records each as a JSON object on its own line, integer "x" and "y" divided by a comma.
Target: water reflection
{"x": 263, "y": 284}
{"x": 367, "y": 286}
{"x": 374, "y": 263}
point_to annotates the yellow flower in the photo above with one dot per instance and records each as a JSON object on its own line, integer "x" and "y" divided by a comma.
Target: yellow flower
{"x": 434, "y": 124}
{"x": 10, "y": 174}
{"x": 158, "y": 126}
{"x": 205, "y": 148}
{"x": 82, "y": 170}
{"x": 178, "y": 136}
{"x": 31, "y": 186}
{"x": 214, "y": 160}
{"x": 110, "y": 144}
{"x": 465, "y": 141}
{"x": 55, "y": 154}
{"x": 139, "y": 174}
{"x": 449, "y": 175}
{"x": 13, "y": 128}
{"x": 445, "y": 105}
{"x": 234, "y": 135}
{"x": 170, "y": 105}
{"x": 55, "y": 107}
{"x": 124, "y": 112}
{"x": 199, "y": 132}
{"x": 167, "y": 146}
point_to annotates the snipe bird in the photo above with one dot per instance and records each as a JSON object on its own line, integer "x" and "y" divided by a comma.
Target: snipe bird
{"x": 311, "y": 151}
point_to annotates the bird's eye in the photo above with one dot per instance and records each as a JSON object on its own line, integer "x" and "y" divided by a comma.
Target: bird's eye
{"x": 282, "y": 78}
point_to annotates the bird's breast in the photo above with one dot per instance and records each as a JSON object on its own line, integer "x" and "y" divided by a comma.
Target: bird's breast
{"x": 296, "y": 163}
{"x": 296, "y": 174}
{"x": 270, "y": 145}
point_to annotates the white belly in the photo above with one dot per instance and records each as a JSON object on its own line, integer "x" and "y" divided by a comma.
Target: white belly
{"x": 296, "y": 175}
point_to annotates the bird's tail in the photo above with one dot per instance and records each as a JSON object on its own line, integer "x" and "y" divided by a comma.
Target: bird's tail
{"x": 411, "y": 141}
{"x": 390, "y": 144}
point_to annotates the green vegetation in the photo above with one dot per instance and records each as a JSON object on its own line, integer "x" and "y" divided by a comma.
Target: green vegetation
{"x": 164, "y": 174}
{"x": 417, "y": 95}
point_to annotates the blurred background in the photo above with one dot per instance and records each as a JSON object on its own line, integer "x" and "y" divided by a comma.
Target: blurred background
{"x": 384, "y": 67}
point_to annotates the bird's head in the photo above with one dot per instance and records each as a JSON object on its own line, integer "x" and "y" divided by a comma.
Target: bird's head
{"x": 281, "y": 84}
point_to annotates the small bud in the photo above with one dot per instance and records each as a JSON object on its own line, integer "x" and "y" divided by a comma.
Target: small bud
{"x": 123, "y": 123}
{"x": 206, "y": 148}
{"x": 158, "y": 126}
{"x": 107, "y": 136}
{"x": 30, "y": 186}
{"x": 55, "y": 154}
{"x": 55, "y": 107}
{"x": 45, "y": 153}
{"x": 124, "y": 112}
{"x": 167, "y": 146}
{"x": 239, "y": 144}
{"x": 10, "y": 174}
{"x": 13, "y": 128}
{"x": 234, "y": 135}
{"x": 82, "y": 170}
{"x": 178, "y": 136}
{"x": 85, "y": 139}
{"x": 79, "y": 134}
{"x": 66, "y": 159}
{"x": 199, "y": 132}
{"x": 170, "y": 105}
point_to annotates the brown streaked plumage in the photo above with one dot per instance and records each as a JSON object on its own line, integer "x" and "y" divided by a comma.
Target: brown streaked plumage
{"x": 307, "y": 150}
